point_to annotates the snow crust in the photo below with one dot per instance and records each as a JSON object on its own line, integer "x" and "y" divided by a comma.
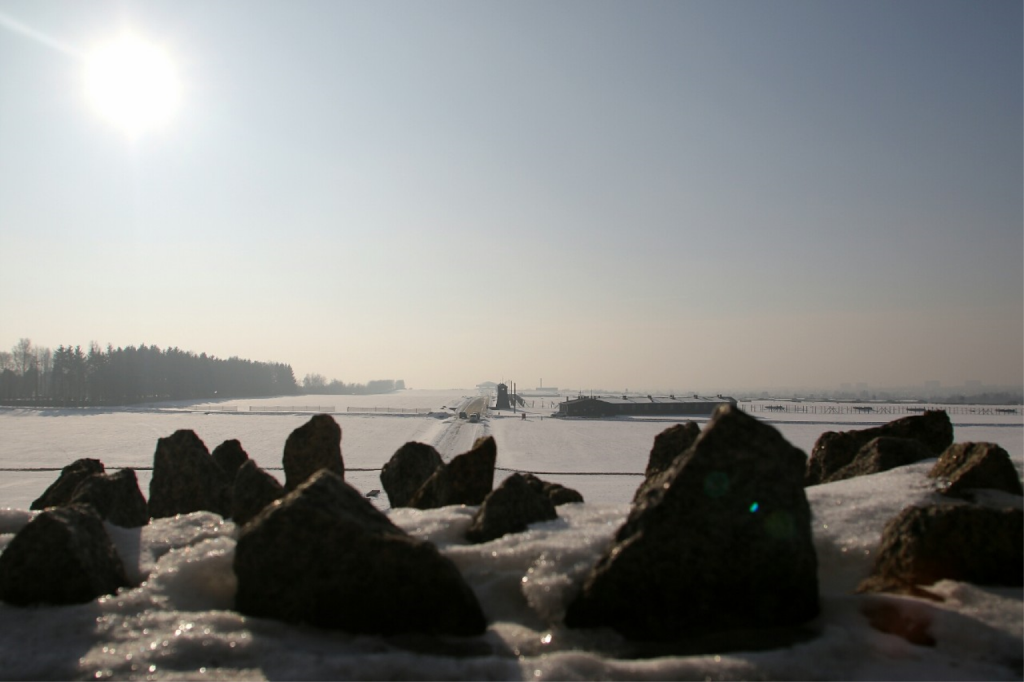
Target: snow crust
{"x": 178, "y": 623}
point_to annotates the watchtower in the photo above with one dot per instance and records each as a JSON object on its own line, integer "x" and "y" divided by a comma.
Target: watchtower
{"x": 502, "y": 402}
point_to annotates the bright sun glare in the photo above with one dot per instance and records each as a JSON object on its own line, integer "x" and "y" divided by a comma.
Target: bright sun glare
{"x": 133, "y": 84}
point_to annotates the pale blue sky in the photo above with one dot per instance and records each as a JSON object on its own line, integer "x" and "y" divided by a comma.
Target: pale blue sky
{"x": 697, "y": 195}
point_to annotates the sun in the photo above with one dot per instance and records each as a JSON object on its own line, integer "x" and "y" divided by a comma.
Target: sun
{"x": 133, "y": 84}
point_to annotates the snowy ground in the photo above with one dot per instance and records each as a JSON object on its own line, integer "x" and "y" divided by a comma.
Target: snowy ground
{"x": 178, "y": 623}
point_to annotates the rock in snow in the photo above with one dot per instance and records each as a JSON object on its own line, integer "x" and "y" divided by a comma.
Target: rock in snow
{"x": 724, "y": 544}
{"x": 313, "y": 446}
{"x": 881, "y": 454}
{"x": 325, "y": 556}
{"x": 556, "y": 492}
{"x": 407, "y": 470}
{"x": 60, "y": 491}
{"x": 63, "y": 556}
{"x": 834, "y": 450}
{"x": 116, "y": 497}
{"x": 230, "y": 456}
{"x": 185, "y": 478}
{"x": 962, "y": 542}
{"x": 467, "y": 479}
{"x": 559, "y": 494}
{"x": 510, "y": 508}
{"x": 254, "y": 489}
{"x": 668, "y": 445}
{"x": 973, "y": 466}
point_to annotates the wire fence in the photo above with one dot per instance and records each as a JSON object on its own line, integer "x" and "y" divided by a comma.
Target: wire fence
{"x": 291, "y": 408}
{"x": 572, "y": 473}
{"x": 264, "y": 408}
{"x": 818, "y": 408}
{"x": 311, "y": 408}
{"x": 514, "y": 471}
{"x": 390, "y": 410}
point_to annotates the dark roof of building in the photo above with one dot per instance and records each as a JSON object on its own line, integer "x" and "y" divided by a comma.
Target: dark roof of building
{"x": 646, "y": 400}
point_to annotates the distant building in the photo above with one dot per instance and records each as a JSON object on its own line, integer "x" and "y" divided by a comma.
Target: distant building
{"x": 542, "y": 391}
{"x": 604, "y": 406}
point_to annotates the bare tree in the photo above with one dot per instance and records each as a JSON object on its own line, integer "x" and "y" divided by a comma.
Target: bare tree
{"x": 24, "y": 356}
{"x": 44, "y": 361}
{"x": 314, "y": 381}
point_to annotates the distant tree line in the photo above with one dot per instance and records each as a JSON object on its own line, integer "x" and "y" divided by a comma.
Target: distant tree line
{"x": 117, "y": 376}
{"x": 318, "y": 384}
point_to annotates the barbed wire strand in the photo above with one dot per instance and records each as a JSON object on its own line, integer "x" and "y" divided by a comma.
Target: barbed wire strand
{"x": 515, "y": 471}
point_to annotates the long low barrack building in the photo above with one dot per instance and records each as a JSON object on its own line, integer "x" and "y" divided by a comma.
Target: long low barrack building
{"x": 612, "y": 406}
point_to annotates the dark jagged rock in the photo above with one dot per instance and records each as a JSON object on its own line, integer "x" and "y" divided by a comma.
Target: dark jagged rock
{"x": 467, "y": 479}
{"x": 668, "y": 445}
{"x": 835, "y": 449}
{"x": 724, "y": 545}
{"x": 230, "y": 456}
{"x": 435, "y": 492}
{"x": 63, "y": 556}
{"x": 313, "y": 446}
{"x": 116, "y": 497}
{"x": 185, "y": 479}
{"x": 60, "y": 491}
{"x": 254, "y": 489}
{"x": 559, "y": 494}
{"x": 882, "y": 454}
{"x": 969, "y": 543}
{"x": 324, "y": 555}
{"x": 407, "y": 471}
{"x": 972, "y": 466}
{"x": 472, "y": 473}
{"x": 511, "y": 508}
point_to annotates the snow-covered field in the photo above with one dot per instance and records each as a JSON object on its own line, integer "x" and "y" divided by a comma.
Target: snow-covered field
{"x": 179, "y": 624}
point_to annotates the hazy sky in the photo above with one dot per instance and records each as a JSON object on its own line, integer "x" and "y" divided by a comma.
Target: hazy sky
{"x": 698, "y": 195}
